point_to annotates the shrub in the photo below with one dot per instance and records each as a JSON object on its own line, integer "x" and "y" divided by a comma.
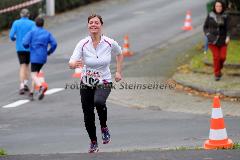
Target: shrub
{"x": 7, "y": 19}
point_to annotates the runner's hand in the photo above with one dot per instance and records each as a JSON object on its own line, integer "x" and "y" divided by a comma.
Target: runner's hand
{"x": 76, "y": 64}
{"x": 118, "y": 77}
{"x": 227, "y": 40}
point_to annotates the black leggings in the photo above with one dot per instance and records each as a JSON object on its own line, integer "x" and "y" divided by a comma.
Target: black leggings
{"x": 91, "y": 98}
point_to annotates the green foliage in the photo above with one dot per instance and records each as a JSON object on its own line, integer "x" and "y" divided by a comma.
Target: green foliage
{"x": 209, "y": 5}
{"x": 8, "y": 18}
{"x": 63, "y": 5}
{"x": 233, "y": 57}
{"x": 185, "y": 148}
{"x": 2, "y": 152}
{"x": 233, "y": 52}
{"x": 236, "y": 146}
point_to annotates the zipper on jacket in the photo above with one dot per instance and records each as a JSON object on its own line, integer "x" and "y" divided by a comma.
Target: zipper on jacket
{"x": 96, "y": 51}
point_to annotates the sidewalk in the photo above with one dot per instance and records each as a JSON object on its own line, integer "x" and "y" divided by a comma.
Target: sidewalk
{"x": 198, "y": 75}
{"x": 227, "y": 86}
{"x": 152, "y": 68}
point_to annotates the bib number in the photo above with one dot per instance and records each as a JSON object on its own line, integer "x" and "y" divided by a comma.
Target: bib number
{"x": 91, "y": 77}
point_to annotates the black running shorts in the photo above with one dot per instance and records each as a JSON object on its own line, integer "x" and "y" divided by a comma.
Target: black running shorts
{"x": 23, "y": 57}
{"x": 36, "y": 67}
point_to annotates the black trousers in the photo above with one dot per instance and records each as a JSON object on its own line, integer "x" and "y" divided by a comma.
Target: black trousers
{"x": 92, "y": 97}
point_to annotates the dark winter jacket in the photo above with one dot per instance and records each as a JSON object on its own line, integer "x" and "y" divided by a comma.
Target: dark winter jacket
{"x": 216, "y": 28}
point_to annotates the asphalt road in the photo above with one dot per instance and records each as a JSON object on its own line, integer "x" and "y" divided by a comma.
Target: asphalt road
{"x": 139, "y": 155}
{"x": 55, "y": 125}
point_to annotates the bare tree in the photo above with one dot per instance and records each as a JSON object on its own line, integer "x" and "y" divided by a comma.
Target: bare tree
{"x": 233, "y": 5}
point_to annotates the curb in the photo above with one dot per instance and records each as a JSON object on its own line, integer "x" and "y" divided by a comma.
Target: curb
{"x": 227, "y": 65}
{"x": 228, "y": 93}
{"x": 203, "y": 72}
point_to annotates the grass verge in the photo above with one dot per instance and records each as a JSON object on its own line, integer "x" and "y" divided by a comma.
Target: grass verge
{"x": 2, "y": 152}
{"x": 236, "y": 145}
{"x": 184, "y": 148}
{"x": 197, "y": 62}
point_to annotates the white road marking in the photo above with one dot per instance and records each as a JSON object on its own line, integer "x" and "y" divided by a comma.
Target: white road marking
{"x": 54, "y": 90}
{"x": 16, "y": 104}
{"x": 21, "y": 102}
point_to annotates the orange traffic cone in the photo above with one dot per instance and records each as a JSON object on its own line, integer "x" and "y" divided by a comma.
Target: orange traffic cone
{"x": 41, "y": 81}
{"x": 188, "y": 22}
{"x": 218, "y": 138}
{"x": 77, "y": 73}
{"x": 126, "y": 51}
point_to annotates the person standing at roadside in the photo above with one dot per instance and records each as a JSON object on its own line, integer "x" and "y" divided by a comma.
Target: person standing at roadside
{"x": 18, "y": 30}
{"x": 217, "y": 31}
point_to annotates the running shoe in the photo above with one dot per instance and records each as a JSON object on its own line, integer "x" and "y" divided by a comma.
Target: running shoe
{"x": 93, "y": 147}
{"x": 41, "y": 92}
{"x": 31, "y": 96}
{"x": 26, "y": 89}
{"x": 105, "y": 135}
{"x": 21, "y": 91}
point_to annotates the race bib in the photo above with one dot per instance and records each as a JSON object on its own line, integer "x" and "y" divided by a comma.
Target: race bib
{"x": 91, "y": 77}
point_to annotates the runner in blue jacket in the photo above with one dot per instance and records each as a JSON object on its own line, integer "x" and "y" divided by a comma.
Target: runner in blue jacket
{"x": 18, "y": 30}
{"x": 38, "y": 40}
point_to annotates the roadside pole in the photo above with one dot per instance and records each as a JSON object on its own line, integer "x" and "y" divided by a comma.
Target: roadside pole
{"x": 50, "y": 7}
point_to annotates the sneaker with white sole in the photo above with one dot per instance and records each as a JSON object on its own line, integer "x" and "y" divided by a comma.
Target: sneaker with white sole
{"x": 93, "y": 147}
{"x": 106, "y": 138}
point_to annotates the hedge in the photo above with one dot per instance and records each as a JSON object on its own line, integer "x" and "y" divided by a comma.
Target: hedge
{"x": 7, "y": 19}
{"x": 63, "y": 5}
